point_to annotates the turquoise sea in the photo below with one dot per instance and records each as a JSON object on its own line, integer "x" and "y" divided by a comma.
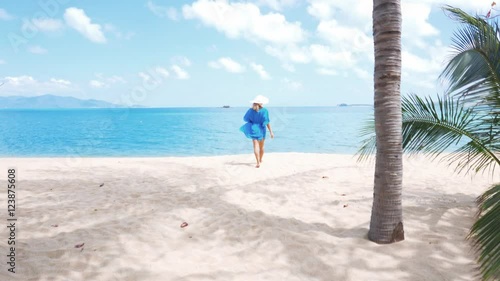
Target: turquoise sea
{"x": 174, "y": 131}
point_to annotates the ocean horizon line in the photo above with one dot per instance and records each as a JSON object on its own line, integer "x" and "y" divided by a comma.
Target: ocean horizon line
{"x": 167, "y": 156}
{"x": 185, "y": 107}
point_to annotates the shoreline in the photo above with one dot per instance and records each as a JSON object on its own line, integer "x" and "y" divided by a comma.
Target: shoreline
{"x": 171, "y": 156}
{"x": 301, "y": 216}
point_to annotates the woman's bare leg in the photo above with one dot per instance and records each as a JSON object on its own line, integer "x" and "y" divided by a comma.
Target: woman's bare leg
{"x": 256, "y": 150}
{"x": 261, "y": 152}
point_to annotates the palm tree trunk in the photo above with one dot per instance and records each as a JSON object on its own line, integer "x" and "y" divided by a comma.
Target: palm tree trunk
{"x": 386, "y": 224}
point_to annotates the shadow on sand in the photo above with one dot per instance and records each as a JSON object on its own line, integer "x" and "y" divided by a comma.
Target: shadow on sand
{"x": 306, "y": 247}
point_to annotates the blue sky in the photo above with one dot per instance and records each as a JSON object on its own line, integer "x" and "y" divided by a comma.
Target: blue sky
{"x": 211, "y": 53}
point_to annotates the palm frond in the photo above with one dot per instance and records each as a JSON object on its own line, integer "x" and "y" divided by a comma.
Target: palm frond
{"x": 368, "y": 141}
{"x": 473, "y": 71}
{"x": 432, "y": 127}
{"x": 467, "y": 159}
{"x": 486, "y": 233}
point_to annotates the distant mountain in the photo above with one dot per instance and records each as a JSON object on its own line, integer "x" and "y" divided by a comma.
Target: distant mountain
{"x": 52, "y": 101}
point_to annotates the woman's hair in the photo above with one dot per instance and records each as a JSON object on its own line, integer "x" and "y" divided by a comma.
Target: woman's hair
{"x": 257, "y": 106}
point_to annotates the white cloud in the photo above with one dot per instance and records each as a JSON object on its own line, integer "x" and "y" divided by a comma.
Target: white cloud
{"x": 78, "y": 20}
{"x": 291, "y": 53}
{"x": 416, "y": 16}
{"x": 363, "y": 74}
{"x": 62, "y": 82}
{"x": 28, "y": 85}
{"x": 476, "y": 6}
{"x": 153, "y": 78}
{"x": 343, "y": 42}
{"x": 156, "y": 75}
{"x": 327, "y": 71}
{"x": 423, "y": 81}
{"x": 162, "y": 11}
{"x": 179, "y": 72}
{"x": 97, "y": 84}
{"x": 356, "y": 16}
{"x": 102, "y": 81}
{"x": 346, "y": 30}
{"x": 4, "y": 15}
{"x": 115, "y": 79}
{"x": 413, "y": 63}
{"x": 228, "y": 64}
{"x": 358, "y": 12}
{"x": 422, "y": 68}
{"x": 327, "y": 56}
{"x": 259, "y": 69}
{"x": 298, "y": 55}
{"x": 214, "y": 64}
{"x": 162, "y": 71}
{"x": 277, "y": 4}
{"x": 244, "y": 20}
{"x": 118, "y": 34}
{"x": 292, "y": 85}
{"x": 48, "y": 24}
{"x": 37, "y": 50}
{"x": 288, "y": 67}
{"x": 320, "y": 9}
{"x": 322, "y": 55}
{"x": 345, "y": 38}
{"x": 19, "y": 80}
{"x": 181, "y": 60}
{"x": 145, "y": 77}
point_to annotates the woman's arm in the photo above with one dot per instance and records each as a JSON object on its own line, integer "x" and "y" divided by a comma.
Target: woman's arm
{"x": 270, "y": 130}
{"x": 267, "y": 123}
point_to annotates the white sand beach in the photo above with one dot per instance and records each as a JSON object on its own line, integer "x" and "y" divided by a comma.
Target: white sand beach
{"x": 298, "y": 217}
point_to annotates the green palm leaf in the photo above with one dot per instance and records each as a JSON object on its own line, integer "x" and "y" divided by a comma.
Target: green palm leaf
{"x": 486, "y": 233}
{"x": 432, "y": 127}
{"x": 473, "y": 71}
{"x": 368, "y": 141}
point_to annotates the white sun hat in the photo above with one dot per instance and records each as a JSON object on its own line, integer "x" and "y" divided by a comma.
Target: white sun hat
{"x": 260, "y": 99}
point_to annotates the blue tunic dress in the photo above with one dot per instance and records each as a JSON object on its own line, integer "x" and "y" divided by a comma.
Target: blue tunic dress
{"x": 255, "y": 128}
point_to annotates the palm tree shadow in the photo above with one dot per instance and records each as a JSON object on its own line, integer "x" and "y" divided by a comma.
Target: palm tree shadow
{"x": 294, "y": 248}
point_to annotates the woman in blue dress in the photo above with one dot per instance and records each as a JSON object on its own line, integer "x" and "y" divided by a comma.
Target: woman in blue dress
{"x": 257, "y": 119}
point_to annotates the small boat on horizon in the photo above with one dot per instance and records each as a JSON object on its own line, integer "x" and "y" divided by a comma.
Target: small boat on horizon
{"x": 225, "y": 106}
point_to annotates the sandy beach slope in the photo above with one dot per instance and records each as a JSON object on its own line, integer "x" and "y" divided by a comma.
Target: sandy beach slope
{"x": 298, "y": 217}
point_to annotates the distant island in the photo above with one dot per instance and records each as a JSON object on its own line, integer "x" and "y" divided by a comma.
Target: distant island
{"x": 225, "y": 106}
{"x": 53, "y": 101}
